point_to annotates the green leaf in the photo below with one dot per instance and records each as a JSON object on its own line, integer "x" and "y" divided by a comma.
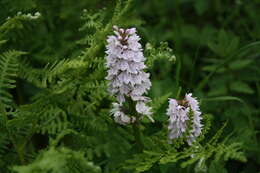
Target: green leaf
{"x": 225, "y": 44}
{"x": 239, "y": 64}
{"x": 234, "y": 55}
{"x": 223, "y": 98}
{"x": 218, "y": 91}
{"x": 211, "y": 68}
{"x": 201, "y": 6}
{"x": 217, "y": 167}
{"x": 241, "y": 87}
{"x": 2, "y": 42}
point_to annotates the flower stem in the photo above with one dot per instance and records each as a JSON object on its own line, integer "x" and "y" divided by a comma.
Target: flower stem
{"x": 138, "y": 134}
{"x": 136, "y": 126}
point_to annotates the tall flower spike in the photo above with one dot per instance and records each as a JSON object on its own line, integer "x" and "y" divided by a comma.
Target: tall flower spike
{"x": 178, "y": 118}
{"x": 125, "y": 63}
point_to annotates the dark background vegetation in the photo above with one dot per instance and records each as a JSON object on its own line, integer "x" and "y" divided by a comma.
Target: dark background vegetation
{"x": 215, "y": 43}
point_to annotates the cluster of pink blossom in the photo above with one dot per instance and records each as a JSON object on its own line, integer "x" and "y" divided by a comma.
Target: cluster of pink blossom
{"x": 178, "y": 112}
{"x": 125, "y": 63}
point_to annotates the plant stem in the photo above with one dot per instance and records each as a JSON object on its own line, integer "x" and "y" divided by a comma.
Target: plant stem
{"x": 138, "y": 134}
{"x": 136, "y": 125}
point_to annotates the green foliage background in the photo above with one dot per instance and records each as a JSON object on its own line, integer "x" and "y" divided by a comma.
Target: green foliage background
{"x": 54, "y": 106}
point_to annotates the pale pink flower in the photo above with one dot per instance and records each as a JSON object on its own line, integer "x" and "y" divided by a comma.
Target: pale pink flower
{"x": 125, "y": 63}
{"x": 178, "y": 112}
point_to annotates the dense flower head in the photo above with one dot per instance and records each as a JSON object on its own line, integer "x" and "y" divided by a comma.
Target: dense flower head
{"x": 178, "y": 112}
{"x": 125, "y": 63}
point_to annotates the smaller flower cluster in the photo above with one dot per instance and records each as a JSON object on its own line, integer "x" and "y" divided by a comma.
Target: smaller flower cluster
{"x": 28, "y": 16}
{"x": 179, "y": 116}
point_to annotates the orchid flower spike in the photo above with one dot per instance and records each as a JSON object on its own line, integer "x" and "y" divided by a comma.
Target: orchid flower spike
{"x": 126, "y": 75}
{"x": 178, "y": 112}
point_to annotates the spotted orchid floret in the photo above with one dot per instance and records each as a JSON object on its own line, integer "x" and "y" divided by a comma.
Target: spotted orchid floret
{"x": 143, "y": 109}
{"x": 178, "y": 112}
{"x": 126, "y": 75}
{"x": 119, "y": 116}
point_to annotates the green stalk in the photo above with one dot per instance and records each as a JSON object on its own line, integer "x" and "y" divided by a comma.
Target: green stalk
{"x": 138, "y": 134}
{"x": 136, "y": 126}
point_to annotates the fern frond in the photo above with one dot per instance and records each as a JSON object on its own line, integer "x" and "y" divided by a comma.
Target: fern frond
{"x": 4, "y": 141}
{"x": 196, "y": 155}
{"x": 61, "y": 160}
{"x": 52, "y": 120}
{"x": 43, "y": 77}
{"x": 14, "y": 23}
{"x": 231, "y": 151}
{"x": 8, "y": 69}
{"x": 216, "y": 137}
{"x": 207, "y": 118}
{"x": 93, "y": 23}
